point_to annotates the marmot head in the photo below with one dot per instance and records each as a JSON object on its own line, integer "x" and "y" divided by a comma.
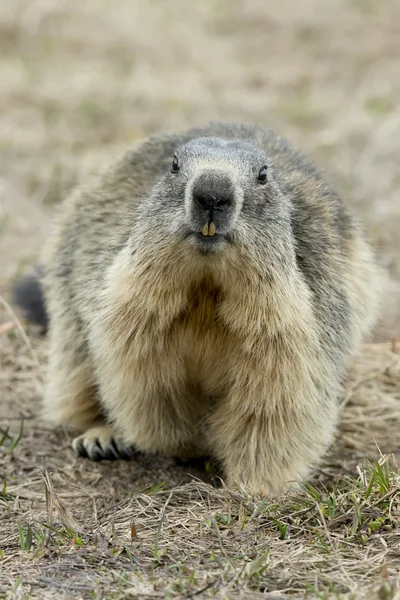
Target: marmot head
{"x": 216, "y": 198}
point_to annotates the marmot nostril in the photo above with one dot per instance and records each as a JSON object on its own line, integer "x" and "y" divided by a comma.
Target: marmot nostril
{"x": 205, "y": 201}
{"x": 215, "y": 202}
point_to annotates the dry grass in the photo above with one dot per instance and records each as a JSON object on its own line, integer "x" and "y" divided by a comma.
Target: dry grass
{"x": 151, "y": 528}
{"x": 83, "y": 79}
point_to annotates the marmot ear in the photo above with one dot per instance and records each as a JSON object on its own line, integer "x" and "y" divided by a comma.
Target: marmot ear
{"x": 262, "y": 174}
{"x": 175, "y": 165}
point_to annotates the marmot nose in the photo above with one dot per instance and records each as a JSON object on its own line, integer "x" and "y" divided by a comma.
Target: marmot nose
{"x": 210, "y": 201}
{"x": 213, "y": 190}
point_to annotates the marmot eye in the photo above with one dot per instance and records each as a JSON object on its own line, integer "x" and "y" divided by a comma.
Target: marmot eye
{"x": 175, "y": 165}
{"x": 262, "y": 175}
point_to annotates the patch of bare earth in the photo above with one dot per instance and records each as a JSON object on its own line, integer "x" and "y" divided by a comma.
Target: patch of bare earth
{"x": 82, "y": 80}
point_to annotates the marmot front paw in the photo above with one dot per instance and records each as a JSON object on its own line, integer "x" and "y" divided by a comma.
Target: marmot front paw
{"x": 100, "y": 443}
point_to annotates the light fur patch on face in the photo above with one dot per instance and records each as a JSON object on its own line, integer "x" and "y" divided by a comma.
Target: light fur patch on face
{"x": 203, "y": 164}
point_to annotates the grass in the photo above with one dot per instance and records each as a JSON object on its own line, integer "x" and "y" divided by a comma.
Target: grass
{"x": 217, "y": 540}
{"x": 11, "y": 442}
{"x": 117, "y": 531}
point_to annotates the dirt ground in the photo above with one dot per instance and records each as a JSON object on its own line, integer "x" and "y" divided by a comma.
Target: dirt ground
{"x": 81, "y": 81}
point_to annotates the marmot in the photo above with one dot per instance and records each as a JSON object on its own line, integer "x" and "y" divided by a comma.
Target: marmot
{"x": 205, "y": 295}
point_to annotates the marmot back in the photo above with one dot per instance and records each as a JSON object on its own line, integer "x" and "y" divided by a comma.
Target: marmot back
{"x": 205, "y": 294}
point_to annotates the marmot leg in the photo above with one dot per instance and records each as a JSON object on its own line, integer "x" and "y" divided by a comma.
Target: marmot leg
{"x": 148, "y": 406}
{"x": 266, "y": 456}
{"x": 272, "y": 431}
{"x": 70, "y": 396}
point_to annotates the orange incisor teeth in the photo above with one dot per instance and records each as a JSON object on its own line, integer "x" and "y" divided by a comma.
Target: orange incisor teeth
{"x": 208, "y": 229}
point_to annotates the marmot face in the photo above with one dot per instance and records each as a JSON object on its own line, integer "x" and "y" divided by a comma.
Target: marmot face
{"x": 217, "y": 193}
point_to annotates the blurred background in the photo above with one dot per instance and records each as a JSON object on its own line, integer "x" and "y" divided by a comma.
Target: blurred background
{"x": 81, "y": 80}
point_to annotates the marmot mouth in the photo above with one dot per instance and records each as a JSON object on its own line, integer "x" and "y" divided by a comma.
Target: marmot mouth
{"x": 208, "y": 244}
{"x": 209, "y": 239}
